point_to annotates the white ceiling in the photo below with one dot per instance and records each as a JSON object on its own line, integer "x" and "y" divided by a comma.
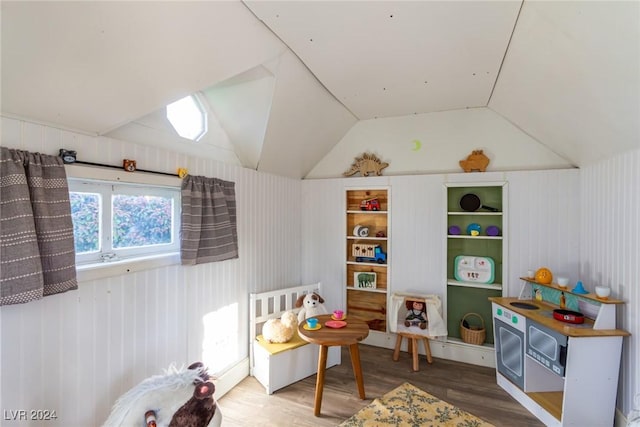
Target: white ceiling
{"x": 385, "y": 59}
{"x": 287, "y": 80}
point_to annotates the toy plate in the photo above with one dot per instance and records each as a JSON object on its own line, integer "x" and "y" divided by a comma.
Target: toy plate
{"x": 335, "y": 324}
{"x": 344, "y": 316}
{"x": 306, "y": 327}
{"x": 474, "y": 269}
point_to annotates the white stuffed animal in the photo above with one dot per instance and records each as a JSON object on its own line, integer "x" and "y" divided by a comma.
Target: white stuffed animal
{"x": 280, "y": 330}
{"x": 312, "y": 305}
{"x": 181, "y": 396}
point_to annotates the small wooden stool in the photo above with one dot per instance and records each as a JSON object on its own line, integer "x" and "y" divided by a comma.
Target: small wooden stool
{"x": 412, "y": 347}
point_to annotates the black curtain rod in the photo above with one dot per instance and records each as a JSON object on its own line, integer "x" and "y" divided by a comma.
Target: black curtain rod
{"x": 121, "y": 168}
{"x": 69, "y": 158}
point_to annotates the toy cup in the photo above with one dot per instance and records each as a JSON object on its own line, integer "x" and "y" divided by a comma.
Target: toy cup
{"x": 603, "y": 292}
{"x": 312, "y": 322}
{"x": 338, "y": 314}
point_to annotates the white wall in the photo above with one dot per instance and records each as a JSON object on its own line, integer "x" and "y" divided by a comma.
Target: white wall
{"x": 541, "y": 229}
{"x": 609, "y": 214}
{"x": 93, "y": 344}
{"x": 77, "y": 352}
{"x": 580, "y": 223}
{"x": 444, "y": 138}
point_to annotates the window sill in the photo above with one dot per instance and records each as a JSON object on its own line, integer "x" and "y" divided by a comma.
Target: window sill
{"x": 102, "y": 270}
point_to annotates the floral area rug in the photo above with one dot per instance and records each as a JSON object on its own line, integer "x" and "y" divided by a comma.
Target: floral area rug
{"x": 408, "y": 406}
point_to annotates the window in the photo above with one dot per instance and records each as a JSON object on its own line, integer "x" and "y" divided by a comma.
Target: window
{"x": 113, "y": 221}
{"x": 188, "y": 118}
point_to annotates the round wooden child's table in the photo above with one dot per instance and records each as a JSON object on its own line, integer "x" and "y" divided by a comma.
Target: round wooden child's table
{"x": 325, "y": 337}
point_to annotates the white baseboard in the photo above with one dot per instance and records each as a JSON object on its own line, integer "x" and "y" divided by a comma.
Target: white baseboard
{"x": 445, "y": 349}
{"x": 231, "y": 377}
{"x": 480, "y": 355}
{"x": 619, "y": 420}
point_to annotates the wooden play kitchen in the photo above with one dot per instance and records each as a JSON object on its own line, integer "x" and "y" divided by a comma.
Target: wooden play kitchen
{"x": 564, "y": 370}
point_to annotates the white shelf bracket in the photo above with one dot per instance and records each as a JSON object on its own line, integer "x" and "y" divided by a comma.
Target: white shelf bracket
{"x": 523, "y": 291}
{"x": 606, "y": 317}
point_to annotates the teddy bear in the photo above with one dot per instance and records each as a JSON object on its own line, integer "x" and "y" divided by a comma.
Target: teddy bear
{"x": 416, "y": 314}
{"x": 312, "y": 305}
{"x": 280, "y": 330}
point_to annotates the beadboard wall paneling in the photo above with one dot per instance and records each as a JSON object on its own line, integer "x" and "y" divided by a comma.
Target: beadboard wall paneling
{"x": 610, "y": 250}
{"x": 77, "y": 352}
{"x": 418, "y": 224}
{"x": 543, "y": 224}
{"x": 547, "y": 236}
{"x": 93, "y": 344}
{"x": 323, "y": 243}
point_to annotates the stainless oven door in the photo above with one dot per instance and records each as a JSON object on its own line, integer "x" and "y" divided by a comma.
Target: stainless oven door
{"x": 509, "y": 344}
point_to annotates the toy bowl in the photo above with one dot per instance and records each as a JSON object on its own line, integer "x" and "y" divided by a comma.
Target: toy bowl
{"x": 603, "y": 292}
{"x": 474, "y": 229}
{"x": 492, "y": 230}
{"x": 563, "y": 282}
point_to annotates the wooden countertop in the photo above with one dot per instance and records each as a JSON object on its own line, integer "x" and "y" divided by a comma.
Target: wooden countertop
{"x": 544, "y": 316}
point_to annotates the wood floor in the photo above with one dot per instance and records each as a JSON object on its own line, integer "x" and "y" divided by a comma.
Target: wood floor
{"x": 469, "y": 387}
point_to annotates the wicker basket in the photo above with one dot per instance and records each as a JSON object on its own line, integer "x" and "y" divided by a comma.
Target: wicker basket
{"x": 473, "y": 334}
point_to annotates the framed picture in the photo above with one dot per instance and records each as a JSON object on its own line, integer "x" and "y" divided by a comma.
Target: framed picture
{"x": 364, "y": 280}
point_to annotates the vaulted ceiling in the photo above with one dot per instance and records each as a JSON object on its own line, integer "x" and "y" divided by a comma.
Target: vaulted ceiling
{"x": 285, "y": 81}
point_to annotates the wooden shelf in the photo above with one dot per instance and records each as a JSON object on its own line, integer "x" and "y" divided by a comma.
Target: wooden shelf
{"x": 589, "y": 296}
{"x": 367, "y": 304}
{"x": 376, "y": 290}
{"x": 366, "y": 263}
{"x": 466, "y": 236}
{"x": 494, "y": 286}
{"x": 367, "y": 238}
{"x": 358, "y": 211}
{"x": 551, "y": 401}
{"x": 475, "y": 213}
{"x": 463, "y": 297}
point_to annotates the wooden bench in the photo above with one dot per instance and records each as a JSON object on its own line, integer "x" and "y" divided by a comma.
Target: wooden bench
{"x": 278, "y": 365}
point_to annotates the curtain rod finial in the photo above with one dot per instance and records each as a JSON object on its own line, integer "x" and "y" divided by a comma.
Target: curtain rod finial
{"x": 182, "y": 172}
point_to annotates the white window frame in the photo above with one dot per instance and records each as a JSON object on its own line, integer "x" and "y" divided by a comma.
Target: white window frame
{"x": 108, "y": 189}
{"x": 128, "y": 262}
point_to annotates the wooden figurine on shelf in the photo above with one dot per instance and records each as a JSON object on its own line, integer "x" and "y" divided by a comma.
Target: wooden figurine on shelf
{"x": 129, "y": 165}
{"x": 475, "y": 161}
{"x": 368, "y": 163}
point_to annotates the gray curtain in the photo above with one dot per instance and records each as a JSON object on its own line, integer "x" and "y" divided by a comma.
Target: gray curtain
{"x": 209, "y": 232}
{"x": 37, "y": 256}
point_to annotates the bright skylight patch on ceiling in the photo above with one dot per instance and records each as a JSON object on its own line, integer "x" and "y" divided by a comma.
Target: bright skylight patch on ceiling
{"x": 188, "y": 118}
